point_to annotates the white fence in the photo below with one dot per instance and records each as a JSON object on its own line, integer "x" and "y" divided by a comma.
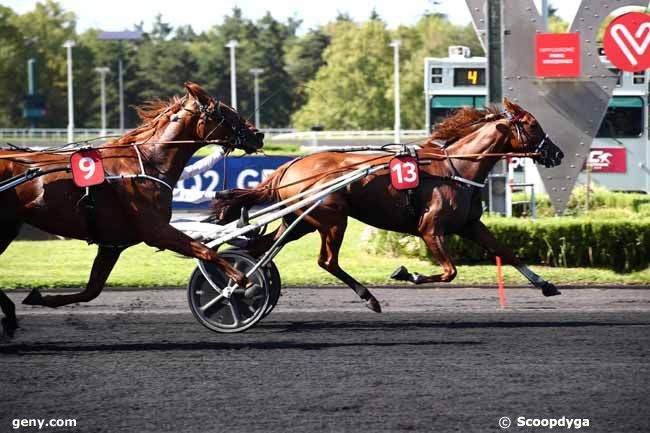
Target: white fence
{"x": 85, "y": 133}
{"x": 312, "y": 139}
{"x": 324, "y": 139}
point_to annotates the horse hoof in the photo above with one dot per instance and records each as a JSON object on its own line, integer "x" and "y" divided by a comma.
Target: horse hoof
{"x": 373, "y": 304}
{"x": 549, "y": 289}
{"x": 9, "y": 326}
{"x": 401, "y": 274}
{"x": 34, "y": 298}
{"x": 252, "y": 291}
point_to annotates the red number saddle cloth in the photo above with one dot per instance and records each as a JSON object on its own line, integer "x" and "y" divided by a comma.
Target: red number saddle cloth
{"x": 404, "y": 172}
{"x": 87, "y": 168}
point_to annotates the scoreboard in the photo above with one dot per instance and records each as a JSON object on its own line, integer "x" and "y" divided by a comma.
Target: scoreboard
{"x": 453, "y": 82}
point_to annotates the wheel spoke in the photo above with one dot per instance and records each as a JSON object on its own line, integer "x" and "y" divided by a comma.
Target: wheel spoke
{"x": 211, "y": 302}
{"x": 234, "y": 309}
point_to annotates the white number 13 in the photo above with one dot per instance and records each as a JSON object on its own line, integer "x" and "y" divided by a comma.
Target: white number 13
{"x": 405, "y": 172}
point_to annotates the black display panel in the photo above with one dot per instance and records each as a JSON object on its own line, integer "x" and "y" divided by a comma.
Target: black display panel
{"x": 469, "y": 76}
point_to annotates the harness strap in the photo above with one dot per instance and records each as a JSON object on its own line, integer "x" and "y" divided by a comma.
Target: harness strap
{"x": 140, "y": 176}
{"x": 456, "y": 174}
{"x": 143, "y": 174}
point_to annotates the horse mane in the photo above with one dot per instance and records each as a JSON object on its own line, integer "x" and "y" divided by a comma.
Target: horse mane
{"x": 154, "y": 114}
{"x": 461, "y": 123}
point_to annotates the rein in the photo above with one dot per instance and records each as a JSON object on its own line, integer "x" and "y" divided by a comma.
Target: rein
{"x": 427, "y": 157}
{"x": 117, "y": 146}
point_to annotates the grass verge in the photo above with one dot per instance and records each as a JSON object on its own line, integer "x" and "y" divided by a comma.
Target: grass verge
{"x": 28, "y": 264}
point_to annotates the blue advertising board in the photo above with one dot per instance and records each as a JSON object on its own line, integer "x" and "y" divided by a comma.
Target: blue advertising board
{"x": 241, "y": 172}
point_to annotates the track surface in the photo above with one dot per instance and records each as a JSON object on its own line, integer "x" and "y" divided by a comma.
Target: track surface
{"x": 436, "y": 360}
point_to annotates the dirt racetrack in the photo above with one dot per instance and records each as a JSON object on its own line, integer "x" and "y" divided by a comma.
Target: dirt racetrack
{"x": 435, "y": 360}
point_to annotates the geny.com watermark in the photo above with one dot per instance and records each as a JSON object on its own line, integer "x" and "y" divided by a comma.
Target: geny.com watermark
{"x": 549, "y": 423}
{"x": 42, "y": 423}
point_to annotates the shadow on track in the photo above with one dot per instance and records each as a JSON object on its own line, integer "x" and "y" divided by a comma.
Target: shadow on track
{"x": 51, "y": 349}
{"x": 307, "y": 326}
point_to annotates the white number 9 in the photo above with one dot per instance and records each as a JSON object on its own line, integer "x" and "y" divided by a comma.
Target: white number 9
{"x": 87, "y": 165}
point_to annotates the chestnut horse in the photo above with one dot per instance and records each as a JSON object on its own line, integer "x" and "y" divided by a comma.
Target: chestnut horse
{"x": 134, "y": 204}
{"x": 447, "y": 200}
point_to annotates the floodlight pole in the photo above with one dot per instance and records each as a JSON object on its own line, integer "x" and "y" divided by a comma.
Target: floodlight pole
{"x": 120, "y": 73}
{"x": 395, "y": 44}
{"x": 68, "y": 45}
{"x": 232, "y": 44}
{"x": 256, "y": 85}
{"x": 102, "y": 71}
{"x": 120, "y": 37}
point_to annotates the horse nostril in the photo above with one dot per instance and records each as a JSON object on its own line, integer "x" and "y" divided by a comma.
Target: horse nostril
{"x": 259, "y": 135}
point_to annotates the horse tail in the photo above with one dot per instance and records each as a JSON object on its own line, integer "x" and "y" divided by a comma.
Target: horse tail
{"x": 227, "y": 205}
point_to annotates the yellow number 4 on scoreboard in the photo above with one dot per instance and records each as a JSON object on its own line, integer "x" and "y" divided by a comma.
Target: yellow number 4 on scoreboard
{"x": 472, "y": 76}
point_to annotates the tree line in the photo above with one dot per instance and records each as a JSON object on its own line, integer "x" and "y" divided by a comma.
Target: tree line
{"x": 339, "y": 75}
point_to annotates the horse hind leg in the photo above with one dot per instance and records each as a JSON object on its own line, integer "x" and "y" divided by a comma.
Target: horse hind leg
{"x": 436, "y": 245}
{"x": 9, "y": 321}
{"x": 331, "y": 241}
{"x": 102, "y": 267}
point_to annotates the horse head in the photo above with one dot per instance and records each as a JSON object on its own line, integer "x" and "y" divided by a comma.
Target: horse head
{"x": 219, "y": 121}
{"x": 529, "y": 137}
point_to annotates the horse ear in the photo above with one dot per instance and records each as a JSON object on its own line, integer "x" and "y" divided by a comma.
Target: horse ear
{"x": 197, "y": 92}
{"x": 511, "y": 107}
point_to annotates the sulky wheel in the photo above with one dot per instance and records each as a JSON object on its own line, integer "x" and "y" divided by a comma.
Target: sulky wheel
{"x": 275, "y": 286}
{"x": 244, "y": 308}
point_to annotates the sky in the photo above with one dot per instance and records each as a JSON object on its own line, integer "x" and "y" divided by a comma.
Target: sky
{"x": 203, "y": 14}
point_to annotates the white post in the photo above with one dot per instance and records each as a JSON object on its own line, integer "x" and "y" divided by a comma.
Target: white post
{"x": 395, "y": 44}
{"x": 102, "y": 74}
{"x": 232, "y": 44}
{"x": 120, "y": 72}
{"x": 256, "y": 73}
{"x": 68, "y": 45}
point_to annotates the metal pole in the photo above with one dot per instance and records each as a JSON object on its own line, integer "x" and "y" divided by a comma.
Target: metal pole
{"x": 588, "y": 191}
{"x": 102, "y": 74}
{"x": 494, "y": 59}
{"x": 533, "y": 203}
{"x": 120, "y": 72}
{"x": 545, "y": 14}
{"x": 68, "y": 45}
{"x": 232, "y": 44}
{"x": 31, "y": 85}
{"x": 395, "y": 44}
{"x": 494, "y": 87}
{"x": 256, "y": 73}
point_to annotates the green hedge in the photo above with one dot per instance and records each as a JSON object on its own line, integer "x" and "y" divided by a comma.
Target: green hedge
{"x": 600, "y": 198}
{"x": 622, "y": 245}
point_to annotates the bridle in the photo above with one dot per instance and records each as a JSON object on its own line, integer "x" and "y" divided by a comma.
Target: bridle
{"x": 213, "y": 112}
{"x": 515, "y": 120}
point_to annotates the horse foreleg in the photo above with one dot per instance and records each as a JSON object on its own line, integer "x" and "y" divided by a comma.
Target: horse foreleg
{"x": 479, "y": 233}
{"x": 102, "y": 266}
{"x": 331, "y": 241}
{"x": 166, "y": 237}
{"x": 436, "y": 244}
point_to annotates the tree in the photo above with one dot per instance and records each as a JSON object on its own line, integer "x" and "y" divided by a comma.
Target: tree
{"x": 303, "y": 60}
{"x": 352, "y": 89}
{"x": 430, "y": 37}
{"x": 164, "y": 63}
{"x": 13, "y": 58}
{"x": 47, "y": 27}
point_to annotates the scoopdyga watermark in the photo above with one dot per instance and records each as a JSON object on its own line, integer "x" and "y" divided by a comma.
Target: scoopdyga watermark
{"x": 549, "y": 423}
